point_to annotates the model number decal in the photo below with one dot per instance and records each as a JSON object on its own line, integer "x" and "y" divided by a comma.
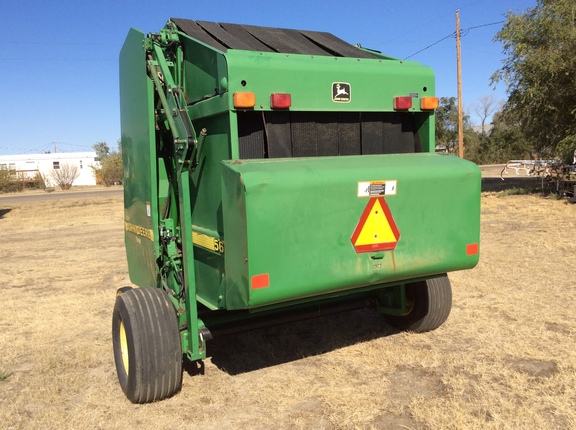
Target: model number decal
{"x": 208, "y": 242}
{"x": 139, "y": 230}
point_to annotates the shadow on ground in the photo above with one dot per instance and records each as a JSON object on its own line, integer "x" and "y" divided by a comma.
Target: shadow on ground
{"x": 529, "y": 183}
{"x": 271, "y": 346}
{"x": 4, "y": 212}
{"x": 285, "y": 343}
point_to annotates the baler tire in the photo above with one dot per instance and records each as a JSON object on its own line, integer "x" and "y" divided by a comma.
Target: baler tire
{"x": 147, "y": 347}
{"x": 122, "y": 290}
{"x": 430, "y": 305}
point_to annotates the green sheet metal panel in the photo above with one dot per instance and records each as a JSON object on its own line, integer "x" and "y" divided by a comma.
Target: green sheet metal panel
{"x": 289, "y": 224}
{"x": 373, "y": 83}
{"x": 206, "y": 200}
{"x": 203, "y": 70}
{"x": 139, "y": 161}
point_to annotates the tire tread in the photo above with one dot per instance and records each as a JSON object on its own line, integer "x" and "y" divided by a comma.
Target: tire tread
{"x": 156, "y": 360}
{"x": 432, "y": 307}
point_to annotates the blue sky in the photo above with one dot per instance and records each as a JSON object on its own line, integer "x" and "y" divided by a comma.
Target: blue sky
{"x": 59, "y": 59}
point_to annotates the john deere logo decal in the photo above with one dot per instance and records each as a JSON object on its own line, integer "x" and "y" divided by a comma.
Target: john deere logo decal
{"x": 341, "y": 92}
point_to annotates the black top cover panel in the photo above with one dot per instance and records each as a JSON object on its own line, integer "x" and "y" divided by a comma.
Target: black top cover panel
{"x": 267, "y": 39}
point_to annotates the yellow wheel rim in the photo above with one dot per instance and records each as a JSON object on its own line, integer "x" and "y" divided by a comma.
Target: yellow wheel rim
{"x": 409, "y": 305}
{"x": 124, "y": 347}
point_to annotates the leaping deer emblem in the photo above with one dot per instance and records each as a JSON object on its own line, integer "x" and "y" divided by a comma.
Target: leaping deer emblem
{"x": 340, "y": 91}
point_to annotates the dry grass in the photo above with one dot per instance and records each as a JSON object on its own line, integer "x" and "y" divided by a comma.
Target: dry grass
{"x": 505, "y": 359}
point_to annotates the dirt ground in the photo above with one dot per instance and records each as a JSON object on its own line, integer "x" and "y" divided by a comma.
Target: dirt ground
{"x": 505, "y": 359}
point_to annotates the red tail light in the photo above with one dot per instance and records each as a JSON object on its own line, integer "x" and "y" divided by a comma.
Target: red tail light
{"x": 280, "y": 100}
{"x": 402, "y": 103}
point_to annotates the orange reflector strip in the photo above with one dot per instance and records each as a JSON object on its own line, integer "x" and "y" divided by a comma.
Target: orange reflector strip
{"x": 280, "y": 100}
{"x": 472, "y": 249}
{"x": 402, "y": 103}
{"x": 428, "y": 103}
{"x": 244, "y": 100}
{"x": 260, "y": 281}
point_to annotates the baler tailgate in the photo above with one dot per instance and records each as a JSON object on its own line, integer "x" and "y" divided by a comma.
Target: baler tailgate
{"x": 302, "y": 226}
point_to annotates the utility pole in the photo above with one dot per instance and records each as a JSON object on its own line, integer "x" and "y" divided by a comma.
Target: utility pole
{"x": 54, "y": 147}
{"x": 459, "y": 67}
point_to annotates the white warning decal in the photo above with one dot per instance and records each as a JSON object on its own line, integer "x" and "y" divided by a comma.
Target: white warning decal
{"x": 377, "y": 188}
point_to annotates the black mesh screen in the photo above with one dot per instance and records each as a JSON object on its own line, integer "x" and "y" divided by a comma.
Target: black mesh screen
{"x": 278, "y": 131}
{"x": 349, "y": 134}
{"x": 315, "y": 134}
{"x": 251, "y": 138}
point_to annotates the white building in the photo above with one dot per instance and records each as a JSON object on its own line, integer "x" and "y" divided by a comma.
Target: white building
{"x": 26, "y": 166}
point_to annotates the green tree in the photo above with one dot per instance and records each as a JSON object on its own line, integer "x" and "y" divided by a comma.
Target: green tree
{"x": 110, "y": 170}
{"x": 447, "y": 126}
{"x": 447, "y": 123}
{"x": 540, "y": 73}
{"x": 102, "y": 150}
{"x": 506, "y": 140}
{"x": 472, "y": 144}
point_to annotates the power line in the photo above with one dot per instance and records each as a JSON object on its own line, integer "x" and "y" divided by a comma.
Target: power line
{"x": 12, "y": 43}
{"x": 430, "y": 46}
{"x": 37, "y": 149}
{"x": 485, "y": 25}
{"x": 40, "y": 149}
{"x": 58, "y": 59}
{"x": 73, "y": 144}
{"x": 463, "y": 33}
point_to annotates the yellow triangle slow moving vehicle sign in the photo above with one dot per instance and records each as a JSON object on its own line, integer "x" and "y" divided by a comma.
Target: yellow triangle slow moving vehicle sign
{"x": 376, "y": 230}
